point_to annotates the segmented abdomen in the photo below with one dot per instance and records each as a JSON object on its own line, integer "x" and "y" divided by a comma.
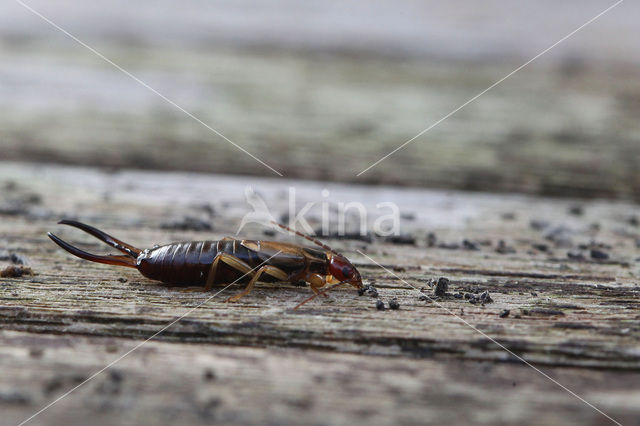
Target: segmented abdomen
{"x": 189, "y": 263}
{"x": 186, "y": 263}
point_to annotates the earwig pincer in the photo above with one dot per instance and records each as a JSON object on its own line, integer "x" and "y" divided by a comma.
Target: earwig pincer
{"x": 215, "y": 263}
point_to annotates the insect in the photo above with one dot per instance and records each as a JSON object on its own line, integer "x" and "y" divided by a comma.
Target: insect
{"x": 208, "y": 263}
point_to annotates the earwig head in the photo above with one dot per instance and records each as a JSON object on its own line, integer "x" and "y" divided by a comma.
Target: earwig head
{"x": 339, "y": 267}
{"x": 342, "y": 270}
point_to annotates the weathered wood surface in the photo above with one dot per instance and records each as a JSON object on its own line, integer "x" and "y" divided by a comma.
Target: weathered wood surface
{"x": 336, "y": 87}
{"x": 337, "y": 360}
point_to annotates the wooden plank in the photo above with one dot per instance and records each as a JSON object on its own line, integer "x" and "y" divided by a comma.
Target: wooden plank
{"x": 335, "y": 98}
{"x": 576, "y": 319}
{"x": 189, "y": 384}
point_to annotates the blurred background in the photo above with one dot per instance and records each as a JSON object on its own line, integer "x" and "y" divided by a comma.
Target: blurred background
{"x": 322, "y": 89}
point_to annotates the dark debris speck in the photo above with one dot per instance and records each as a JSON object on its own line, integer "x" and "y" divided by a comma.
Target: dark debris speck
{"x": 470, "y": 245}
{"x": 442, "y": 287}
{"x": 504, "y": 313}
{"x": 538, "y": 224}
{"x": 380, "y": 305}
{"x": 575, "y": 255}
{"x": 369, "y": 290}
{"x": 209, "y": 375}
{"x": 188, "y": 223}
{"x": 393, "y": 304}
{"x": 508, "y": 216}
{"x": 576, "y": 210}
{"x": 431, "y": 239}
{"x": 449, "y": 246}
{"x": 540, "y": 247}
{"x": 481, "y": 298}
{"x": 485, "y": 297}
{"x": 403, "y": 239}
{"x": 13, "y": 397}
{"x": 18, "y": 259}
{"x": 599, "y": 254}
{"x": 503, "y": 248}
{"x": 15, "y": 271}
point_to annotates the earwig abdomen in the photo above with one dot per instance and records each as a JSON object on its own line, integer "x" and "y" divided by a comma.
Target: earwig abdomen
{"x": 185, "y": 263}
{"x": 189, "y": 263}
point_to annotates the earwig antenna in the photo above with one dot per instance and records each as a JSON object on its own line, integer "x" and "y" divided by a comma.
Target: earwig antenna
{"x": 313, "y": 240}
{"x": 321, "y": 292}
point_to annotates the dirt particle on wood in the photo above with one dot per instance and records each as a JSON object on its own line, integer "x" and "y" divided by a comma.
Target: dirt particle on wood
{"x": 575, "y": 255}
{"x": 369, "y": 290}
{"x": 441, "y": 287}
{"x": 449, "y": 246}
{"x": 188, "y": 223}
{"x": 539, "y": 225}
{"x": 599, "y": 254}
{"x": 431, "y": 239}
{"x": 15, "y": 271}
{"x": 36, "y": 352}
{"x": 380, "y": 305}
{"x": 481, "y": 298}
{"x": 503, "y": 248}
{"x": 393, "y": 304}
{"x": 403, "y": 239}
{"x": 16, "y": 258}
{"x": 576, "y": 210}
{"x": 504, "y": 313}
{"x": 542, "y": 312}
{"x": 470, "y": 245}
{"x": 209, "y": 375}
{"x": 14, "y": 397}
{"x": 541, "y": 247}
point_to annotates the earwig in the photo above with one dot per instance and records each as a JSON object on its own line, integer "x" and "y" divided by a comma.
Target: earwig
{"x": 214, "y": 263}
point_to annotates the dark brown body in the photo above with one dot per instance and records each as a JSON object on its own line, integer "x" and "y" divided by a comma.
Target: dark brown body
{"x": 189, "y": 263}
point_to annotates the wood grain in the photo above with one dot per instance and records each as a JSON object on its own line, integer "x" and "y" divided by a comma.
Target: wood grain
{"x": 337, "y": 360}
{"x": 334, "y": 89}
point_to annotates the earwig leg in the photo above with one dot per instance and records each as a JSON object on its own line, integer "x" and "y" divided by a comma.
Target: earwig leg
{"x": 266, "y": 269}
{"x": 317, "y": 291}
{"x": 315, "y": 282}
{"x": 243, "y": 267}
{"x": 230, "y": 260}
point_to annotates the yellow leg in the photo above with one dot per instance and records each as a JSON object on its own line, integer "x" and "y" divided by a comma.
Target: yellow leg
{"x": 315, "y": 282}
{"x": 266, "y": 269}
{"x": 230, "y": 260}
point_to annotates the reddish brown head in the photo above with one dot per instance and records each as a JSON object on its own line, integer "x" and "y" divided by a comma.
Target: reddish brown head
{"x": 342, "y": 270}
{"x": 339, "y": 267}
